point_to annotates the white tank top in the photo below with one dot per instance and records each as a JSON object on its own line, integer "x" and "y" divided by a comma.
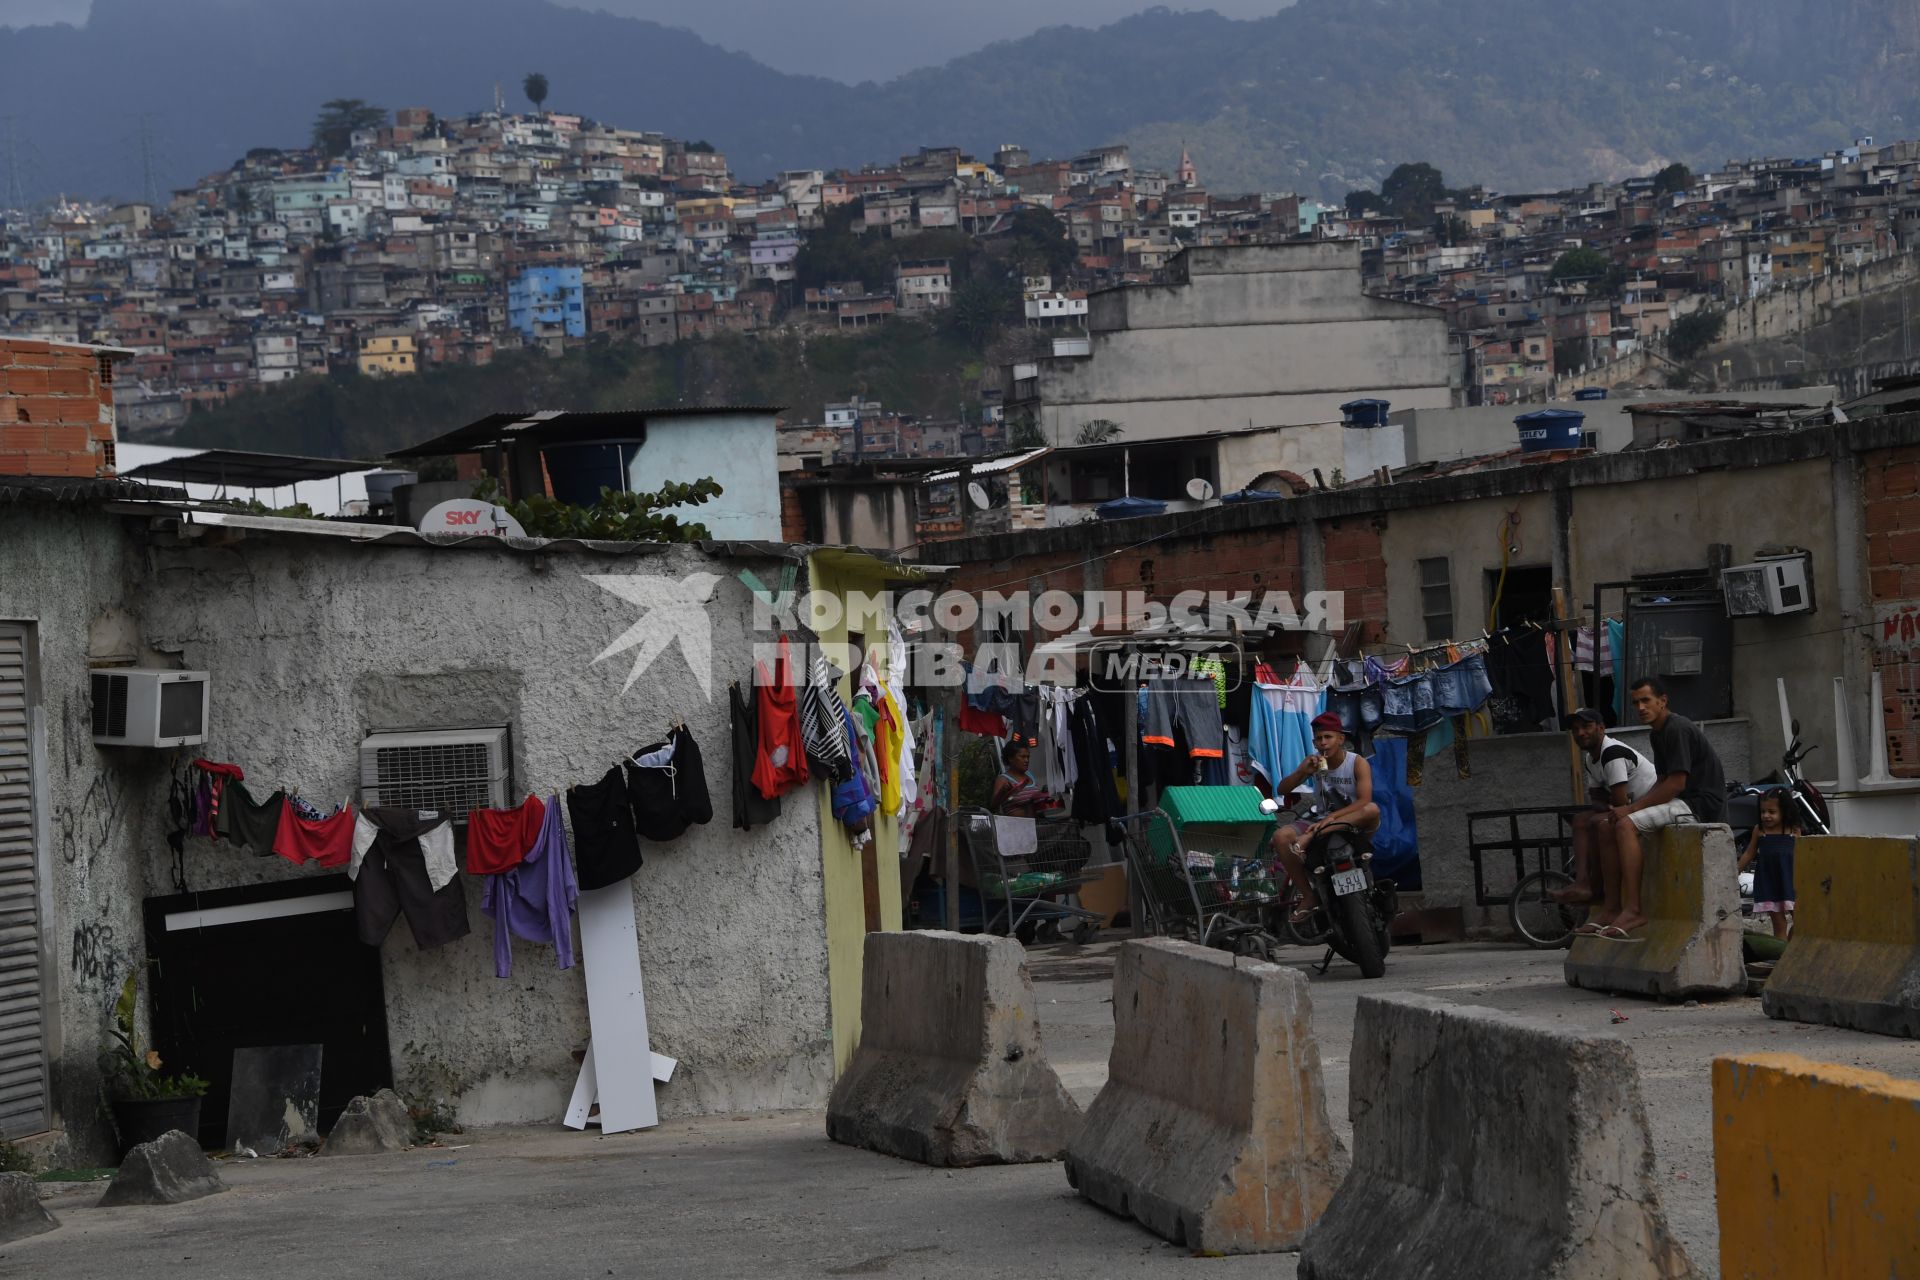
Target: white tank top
{"x": 1336, "y": 788}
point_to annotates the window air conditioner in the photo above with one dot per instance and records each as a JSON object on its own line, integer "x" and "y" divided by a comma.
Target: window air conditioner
{"x": 148, "y": 707}
{"x": 1768, "y": 588}
{"x": 454, "y": 769}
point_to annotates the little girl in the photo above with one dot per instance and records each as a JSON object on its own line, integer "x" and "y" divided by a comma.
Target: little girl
{"x": 1770, "y": 853}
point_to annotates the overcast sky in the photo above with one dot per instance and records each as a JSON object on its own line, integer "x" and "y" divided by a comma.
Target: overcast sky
{"x": 850, "y": 40}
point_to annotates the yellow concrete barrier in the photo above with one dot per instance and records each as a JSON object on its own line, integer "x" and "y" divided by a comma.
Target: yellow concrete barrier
{"x": 1855, "y": 956}
{"x": 1690, "y": 945}
{"x": 1816, "y": 1170}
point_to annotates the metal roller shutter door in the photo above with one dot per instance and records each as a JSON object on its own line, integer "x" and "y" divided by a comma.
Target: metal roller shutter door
{"x": 23, "y": 1059}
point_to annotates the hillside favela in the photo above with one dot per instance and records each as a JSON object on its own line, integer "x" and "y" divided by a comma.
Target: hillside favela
{"x": 1074, "y": 640}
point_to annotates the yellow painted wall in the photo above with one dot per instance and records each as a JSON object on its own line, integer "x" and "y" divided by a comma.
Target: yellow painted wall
{"x": 846, "y": 902}
{"x": 1816, "y": 1170}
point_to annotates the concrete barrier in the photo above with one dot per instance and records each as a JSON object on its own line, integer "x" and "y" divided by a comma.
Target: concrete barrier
{"x": 1212, "y": 1128}
{"x": 1494, "y": 1146}
{"x": 949, "y": 1069}
{"x": 1690, "y": 946}
{"x": 1854, "y": 960}
{"x": 1814, "y": 1169}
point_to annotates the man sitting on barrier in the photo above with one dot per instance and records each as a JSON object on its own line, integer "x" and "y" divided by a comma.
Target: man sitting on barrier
{"x": 1691, "y": 787}
{"x": 1343, "y": 793}
{"x": 1616, "y": 775}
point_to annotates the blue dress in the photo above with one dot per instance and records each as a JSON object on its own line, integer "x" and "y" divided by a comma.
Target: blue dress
{"x": 1773, "y": 874}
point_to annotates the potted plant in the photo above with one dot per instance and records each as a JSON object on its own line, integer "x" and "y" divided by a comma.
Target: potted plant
{"x": 145, "y": 1103}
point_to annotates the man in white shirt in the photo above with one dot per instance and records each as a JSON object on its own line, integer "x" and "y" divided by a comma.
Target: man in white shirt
{"x": 1615, "y": 775}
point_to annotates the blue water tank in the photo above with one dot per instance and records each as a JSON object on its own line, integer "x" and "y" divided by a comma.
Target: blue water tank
{"x": 1364, "y": 413}
{"x": 1549, "y": 429}
{"x": 1590, "y": 393}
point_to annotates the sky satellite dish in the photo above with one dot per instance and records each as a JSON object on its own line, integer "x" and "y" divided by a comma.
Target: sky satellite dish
{"x": 1199, "y": 490}
{"x": 977, "y": 493}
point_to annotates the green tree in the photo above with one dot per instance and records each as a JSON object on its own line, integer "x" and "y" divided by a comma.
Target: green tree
{"x": 1041, "y": 243}
{"x": 535, "y": 87}
{"x": 1024, "y": 433}
{"x": 1694, "y": 332}
{"x": 1580, "y": 264}
{"x": 981, "y": 306}
{"x": 1098, "y": 431}
{"x": 1674, "y": 178}
{"x": 616, "y": 517}
{"x": 1412, "y": 190}
{"x": 340, "y": 119}
{"x": 1360, "y": 203}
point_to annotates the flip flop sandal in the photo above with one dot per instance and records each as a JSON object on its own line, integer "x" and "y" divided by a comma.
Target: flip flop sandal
{"x": 1588, "y": 930}
{"x": 1614, "y": 933}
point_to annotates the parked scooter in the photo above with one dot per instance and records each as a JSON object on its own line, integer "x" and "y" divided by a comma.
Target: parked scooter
{"x": 1353, "y": 909}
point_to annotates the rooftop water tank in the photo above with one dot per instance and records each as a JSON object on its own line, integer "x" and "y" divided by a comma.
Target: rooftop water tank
{"x": 381, "y": 484}
{"x": 1590, "y": 393}
{"x": 1364, "y": 413}
{"x": 1549, "y": 429}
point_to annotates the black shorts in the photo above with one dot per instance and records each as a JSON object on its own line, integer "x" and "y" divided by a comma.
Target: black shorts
{"x": 393, "y": 879}
{"x": 604, "y": 848}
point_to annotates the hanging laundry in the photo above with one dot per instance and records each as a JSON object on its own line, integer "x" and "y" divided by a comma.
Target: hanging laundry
{"x": 886, "y": 754}
{"x": 984, "y": 723}
{"x": 780, "y": 756}
{"x": 534, "y": 901}
{"x": 667, "y": 787}
{"x": 247, "y": 825}
{"x": 605, "y": 846}
{"x": 1054, "y": 765}
{"x": 309, "y": 810}
{"x": 1280, "y": 732}
{"x": 904, "y": 753}
{"x": 750, "y": 807}
{"x": 1210, "y": 667}
{"x": 1584, "y": 658}
{"x": 822, "y": 730}
{"x": 853, "y": 800}
{"x": 1095, "y": 797}
{"x": 1396, "y": 842}
{"x": 1462, "y": 686}
{"x": 431, "y": 828}
{"x": 211, "y": 778}
{"x": 1406, "y": 703}
{"x": 498, "y": 838}
{"x": 1190, "y": 705}
{"x": 1617, "y": 642}
{"x": 300, "y": 840}
{"x": 392, "y": 877}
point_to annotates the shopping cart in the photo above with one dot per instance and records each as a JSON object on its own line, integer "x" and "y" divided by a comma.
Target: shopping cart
{"x": 1025, "y": 869}
{"x": 1212, "y": 879}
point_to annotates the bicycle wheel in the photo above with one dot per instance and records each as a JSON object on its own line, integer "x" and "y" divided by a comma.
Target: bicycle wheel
{"x": 1539, "y": 920}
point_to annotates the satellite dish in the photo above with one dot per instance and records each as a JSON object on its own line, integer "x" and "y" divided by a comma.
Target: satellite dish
{"x": 1199, "y": 490}
{"x": 977, "y": 493}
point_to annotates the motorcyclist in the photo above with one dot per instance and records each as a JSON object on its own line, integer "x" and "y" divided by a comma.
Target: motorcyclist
{"x": 1343, "y": 793}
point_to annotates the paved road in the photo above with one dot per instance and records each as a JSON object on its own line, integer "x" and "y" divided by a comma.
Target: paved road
{"x": 770, "y": 1197}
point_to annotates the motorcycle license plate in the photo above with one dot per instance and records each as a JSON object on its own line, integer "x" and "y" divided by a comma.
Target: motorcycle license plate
{"x": 1346, "y": 882}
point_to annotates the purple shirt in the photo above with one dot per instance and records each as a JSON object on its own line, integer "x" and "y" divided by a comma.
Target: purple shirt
{"x": 535, "y": 899}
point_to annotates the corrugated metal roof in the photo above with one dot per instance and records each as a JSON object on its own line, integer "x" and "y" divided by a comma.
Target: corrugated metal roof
{"x": 497, "y": 428}
{"x": 993, "y": 466}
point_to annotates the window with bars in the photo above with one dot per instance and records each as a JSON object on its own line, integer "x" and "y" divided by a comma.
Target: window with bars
{"x": 1436, "y": 598}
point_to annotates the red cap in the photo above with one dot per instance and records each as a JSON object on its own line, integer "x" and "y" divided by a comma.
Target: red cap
{"x": 1328, "y": 720}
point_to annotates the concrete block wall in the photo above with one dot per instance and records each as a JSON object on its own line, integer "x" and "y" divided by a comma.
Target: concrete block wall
{"x": 56, "y": 410}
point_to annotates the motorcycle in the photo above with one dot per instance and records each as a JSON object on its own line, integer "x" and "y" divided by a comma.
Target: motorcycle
{"x": 1353, "y": 909}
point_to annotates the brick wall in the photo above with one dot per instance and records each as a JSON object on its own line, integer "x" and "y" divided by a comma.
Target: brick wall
{"x": 1892, "y": 524}
{"x": 56, "y": 410}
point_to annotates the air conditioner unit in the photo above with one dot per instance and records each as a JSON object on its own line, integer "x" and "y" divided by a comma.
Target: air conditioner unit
{"x": 1768, "y": 588}
{"x": 454, "y": 769}
{"x": 147, "y": 707}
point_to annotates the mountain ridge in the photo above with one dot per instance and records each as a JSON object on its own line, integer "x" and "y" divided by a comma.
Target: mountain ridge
{"x": 1318, "y": 97}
